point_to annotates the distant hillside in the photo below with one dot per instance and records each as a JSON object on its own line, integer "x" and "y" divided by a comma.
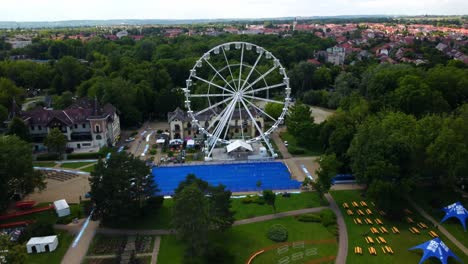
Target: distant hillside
{"x": 117, "y": 22}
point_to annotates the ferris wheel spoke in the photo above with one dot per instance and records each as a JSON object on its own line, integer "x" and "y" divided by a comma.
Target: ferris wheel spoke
{"x": 214, "y": 84}
{"x": 265, "y": 88}
{"x": 220, "y": 126}
{"x": 219, "y": 74}
{"x": 254, "y": 121}
{"x": 229, "y": 121}
{"x": 217, "y": 118}
{"x": 229, "y": 67}
{"x": 260, "y": 78}
{"x": 259, "y": 109}
{"x": 263, "y": 99}
{"x": 209, "y": 95}
{"x": 251, "y": 70}
{"x": 213, "y": 106}
{"x": 240, "y": 66}
{"x": 241, "y": 121}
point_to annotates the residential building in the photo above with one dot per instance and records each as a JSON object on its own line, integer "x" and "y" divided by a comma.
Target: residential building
{"x": 85, "y": 124}
{"x": 336, "y": 55}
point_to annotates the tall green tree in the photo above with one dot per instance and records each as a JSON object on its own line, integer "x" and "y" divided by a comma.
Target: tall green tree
{"x": 56, "y": 141}
{"x": 270, "y": 198}
{"x": 120, "y": 188}
{"x": 274, "y": 110}
{"x": 18, "y": 128}
{"x": 16, "y": 170}
{"x": 191, "y": 219}
{"x": 382, "y": 156}
{"x": 328, "y": 168}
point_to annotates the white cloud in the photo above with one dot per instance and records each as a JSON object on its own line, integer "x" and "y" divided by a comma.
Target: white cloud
{"x": 34, "y": 10}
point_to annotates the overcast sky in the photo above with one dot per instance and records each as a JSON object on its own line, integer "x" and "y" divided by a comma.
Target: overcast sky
{"x": 53, "y": 10}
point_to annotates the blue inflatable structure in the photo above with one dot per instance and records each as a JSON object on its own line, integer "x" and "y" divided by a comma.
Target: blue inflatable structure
{"x": 435, "y": 248}
{"x": 458, "y": 211}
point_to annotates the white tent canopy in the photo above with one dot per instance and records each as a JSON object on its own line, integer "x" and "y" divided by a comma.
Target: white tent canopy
{"x": 238, "y": 144}
{"x": 160, "y": 141}
{"x": 42, "y": 244}
{"x": 62, "y": 208}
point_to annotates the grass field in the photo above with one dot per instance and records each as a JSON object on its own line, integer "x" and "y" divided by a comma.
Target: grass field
{"x": 75, "y": 165}
{"x": 56, "y": 256}
{"x": 400, "y": 243}
{"x": 242, "y": 241}
{"x": 162, "y": 219}
{"x": 292, "y": 144}
{"x": 433, "y": 200}
{"x": 44, "y": 163}
{"x": 89, "y": 169}
{"x": 283, "y": 204}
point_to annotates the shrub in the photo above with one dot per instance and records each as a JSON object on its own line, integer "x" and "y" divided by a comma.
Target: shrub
{"x": 93, "y": 155}
{"x": 328, "y": 217}
{"x": 48, "y": 156}
{"x": 248, "y": 199}
{"x": 154, "y": 203}
{"x": 159, "y": 131}
{"x": 296, "y": 151}
{"x": 311, "y": 217}
{"x": 36, "y": 229}
{"x": 153, "y": 152}
{"x": 277, "y": 233}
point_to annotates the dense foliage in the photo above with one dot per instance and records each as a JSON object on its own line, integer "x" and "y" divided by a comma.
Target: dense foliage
{"x": 121, "y": 188}
{"x": 199, "y": 209}
{"x": 16, "y": 170}
{"x": 277, "y": 233}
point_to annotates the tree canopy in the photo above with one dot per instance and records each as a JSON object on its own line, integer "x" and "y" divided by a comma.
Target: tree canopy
{"x": 121, "y": 188}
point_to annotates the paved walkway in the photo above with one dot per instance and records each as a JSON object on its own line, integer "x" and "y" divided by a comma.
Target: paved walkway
{"x": 440, "y": 227}
{"x": 75, "y": 255}
{"x": 280, "y": 144}
{"x": 154, "y": 255}
{"x": 343, "y": 233}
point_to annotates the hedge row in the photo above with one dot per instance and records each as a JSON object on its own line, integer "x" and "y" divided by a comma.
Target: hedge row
{"x": 93, "y": 155}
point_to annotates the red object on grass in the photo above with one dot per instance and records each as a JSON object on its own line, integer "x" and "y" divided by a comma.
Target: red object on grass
{"x": 25, "y": 204}
{"x": 32, "y": 211}
{"x": 19, "y": 223}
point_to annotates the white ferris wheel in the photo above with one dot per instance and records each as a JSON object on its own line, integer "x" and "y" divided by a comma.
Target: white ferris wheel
{"x": 227, "y": 91}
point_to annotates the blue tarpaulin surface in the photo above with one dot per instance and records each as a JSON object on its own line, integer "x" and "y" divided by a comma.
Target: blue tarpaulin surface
{"x": 435, "y": 248}
{"x": 456, "y": 210}
{"x": 237, "y": 177}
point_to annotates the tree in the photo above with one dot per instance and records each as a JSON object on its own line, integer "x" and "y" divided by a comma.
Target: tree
{"x": 191, "y": 219}
{"x": 11, "y": 252}
{"x": 18, "y": 128}
{"x": 197, "y": 203}
{"x": 299, "y": 117}
{"x": 120, "y": 188}
{"x": 70, "y": 73}
{"x": 382, "y": 156}
{"x": 56, "y": 141}
{"x": 8, "y": 92}
{"x": 274, "y": 110}
{"x": 3, "y": 113}
{"x": 328, "y": 168}
{"x": 16, "y": 170}
{"x": 270, "y": 198}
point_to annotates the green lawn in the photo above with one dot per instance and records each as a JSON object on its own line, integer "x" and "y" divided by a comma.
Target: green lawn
{"x": 89, "y": 169}
{"x": 162, "y": 219}
{"x": 44, "y": 163}
{"x": 283, "y": 204}
{"x": 292, "y": 144}
{"x": 400, "y": 243}
{"x": 242, "y": 241}
{"x": 75, "y": 165}
{"x": 433, "y": 200}
{"x": 56, "y": 256}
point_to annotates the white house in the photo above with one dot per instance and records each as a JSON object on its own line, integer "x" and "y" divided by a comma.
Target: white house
{"x": 42, "y": 244}
{"x": 62, "y": 208}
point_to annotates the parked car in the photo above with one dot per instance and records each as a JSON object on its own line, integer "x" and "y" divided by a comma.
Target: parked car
{"x": 285, "y": 143}
{"x": 130, "y": 139}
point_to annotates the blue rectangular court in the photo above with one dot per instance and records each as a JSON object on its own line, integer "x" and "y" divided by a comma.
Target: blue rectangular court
{"x": 237, "y": 177}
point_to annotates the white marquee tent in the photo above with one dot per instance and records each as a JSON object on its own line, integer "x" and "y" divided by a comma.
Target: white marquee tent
{"x": 62, "y": 208}
{"x": 238, "y": 144}
{"x": 42, "y": 244}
